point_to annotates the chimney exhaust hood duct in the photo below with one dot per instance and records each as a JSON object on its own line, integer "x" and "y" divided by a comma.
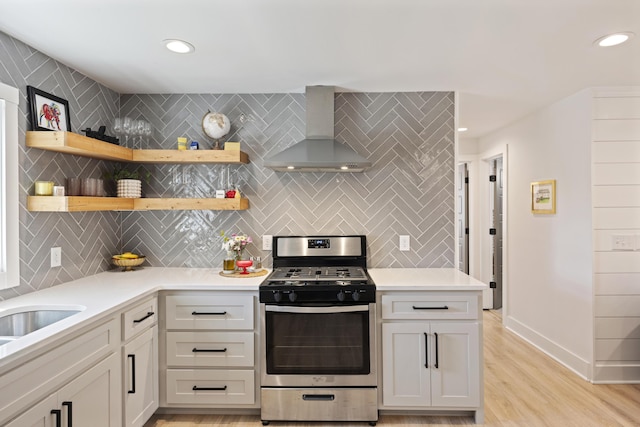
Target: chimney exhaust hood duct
{"x": 318, "y": 152}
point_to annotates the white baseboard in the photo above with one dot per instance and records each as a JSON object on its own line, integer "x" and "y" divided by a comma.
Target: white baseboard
{"x": 561, "y": 355}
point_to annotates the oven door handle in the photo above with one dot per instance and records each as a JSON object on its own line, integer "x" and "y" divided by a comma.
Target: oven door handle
{"x": 321, "y": 310}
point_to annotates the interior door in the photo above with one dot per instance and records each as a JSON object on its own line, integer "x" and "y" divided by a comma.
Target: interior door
{"x": 463, "y": 217}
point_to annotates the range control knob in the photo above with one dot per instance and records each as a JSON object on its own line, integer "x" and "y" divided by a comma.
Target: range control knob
{"x": 341, "y": 296}
{"x": 277, "y": 296}
{"x": 293, "y": 296}
{"x": 355, "y": 295}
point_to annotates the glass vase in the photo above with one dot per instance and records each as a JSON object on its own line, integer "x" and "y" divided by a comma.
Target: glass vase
{"x": 229, "y": 263}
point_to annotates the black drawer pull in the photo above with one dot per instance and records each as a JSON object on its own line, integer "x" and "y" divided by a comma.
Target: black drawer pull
{"x": 58, "y": 414}
{"x": 320, "y": 397}
{"x": 149, "y": 314}
{"x": 204, "y": 313}
{"x": 426, "y": 350}
{"x": 69, "y": 406}
{"x": 444, "y": 307}
{"x": 205, "y": 350}
{"x": 196, "y": 388}
{"x": 133, "y": 373}
{"x": 435, "y": 334}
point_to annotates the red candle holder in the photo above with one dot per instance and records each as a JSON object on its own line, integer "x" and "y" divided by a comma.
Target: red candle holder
{"x": 244, "y": 263}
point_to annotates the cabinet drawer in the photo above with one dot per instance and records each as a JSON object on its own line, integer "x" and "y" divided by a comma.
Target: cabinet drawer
{"x": 210, "y": 387}
{"x": 139, "y": 318}
{"x": 214, "y": 349}
{"x": 32, "y": 381}
{"x": 226, "y": 312}
{"x": 432, "y": 305}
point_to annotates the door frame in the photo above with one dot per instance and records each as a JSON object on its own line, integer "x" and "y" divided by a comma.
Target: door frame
{"x": 485, "y": 221}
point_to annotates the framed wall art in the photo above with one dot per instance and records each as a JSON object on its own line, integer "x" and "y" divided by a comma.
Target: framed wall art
{"x": 48, "y": 112}
{"x": 543, "y": 197}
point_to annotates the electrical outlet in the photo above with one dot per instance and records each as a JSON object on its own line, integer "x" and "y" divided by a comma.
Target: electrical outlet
{"x": 623, "y": 242}
{"x": 56, "y": 257}
{"x": 405, "y": 243}
{"x": 267, "y": 242}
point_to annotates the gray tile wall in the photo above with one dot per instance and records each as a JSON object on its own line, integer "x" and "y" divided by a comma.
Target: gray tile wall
{"x": 87, "y": 239}
{"x": 409, "y": 137}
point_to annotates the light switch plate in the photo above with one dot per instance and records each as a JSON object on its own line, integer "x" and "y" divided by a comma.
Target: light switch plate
{"x": 56, "y": 257}
{"x": 623, "y": 242}
{"x": 267, "y": 242}
{"x": 405, "y": 243}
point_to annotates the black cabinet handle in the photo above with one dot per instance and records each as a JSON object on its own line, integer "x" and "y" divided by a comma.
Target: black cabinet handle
{"x": 204, "y": 350}
{"x": 58, "y": 414}
{"x": 196, "y": 388}
{"x": 133, "y": 373}
{"x": 435, "y": 334}
{"x": 204, "y": 313}
{"x": 149, "y": 314}
{"x": 321, "y": 397}
{"x": 444, "y": 307}
{"x": 426, "y": 350}
{"x": 69, "y": 413}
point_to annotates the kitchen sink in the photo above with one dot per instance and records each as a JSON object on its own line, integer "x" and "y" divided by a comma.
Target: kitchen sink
{"x": 21, "y": 323}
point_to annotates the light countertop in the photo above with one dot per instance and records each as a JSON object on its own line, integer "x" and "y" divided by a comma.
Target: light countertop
{"x": 108, "y": 292}
{"x": 424, "y": 279}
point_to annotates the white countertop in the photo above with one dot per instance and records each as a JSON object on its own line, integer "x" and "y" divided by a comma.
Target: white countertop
{"x": 108, "y": 292}
{"x": 424, "y": 279}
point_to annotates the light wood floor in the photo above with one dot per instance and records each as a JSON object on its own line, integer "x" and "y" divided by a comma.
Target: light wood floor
{"x": 523, "y": 387}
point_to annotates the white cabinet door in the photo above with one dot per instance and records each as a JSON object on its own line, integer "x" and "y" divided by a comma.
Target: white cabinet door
{"x": 92, "y": 399}
{"x": 405, "y": 379}
{"x": 456, "y": 379}
{"x": 39, "y": 415}
{"x": 94, "y": 396}
{"x": 140, "y": 388}
{"x": 430, "y": 364}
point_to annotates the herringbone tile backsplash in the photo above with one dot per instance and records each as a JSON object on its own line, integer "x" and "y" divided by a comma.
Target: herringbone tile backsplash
{"x": 409, "y": 137}
{"x": 409, "y": 189}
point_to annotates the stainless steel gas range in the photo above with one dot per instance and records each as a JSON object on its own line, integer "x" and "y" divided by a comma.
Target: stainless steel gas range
{"x": 318, "y": 337}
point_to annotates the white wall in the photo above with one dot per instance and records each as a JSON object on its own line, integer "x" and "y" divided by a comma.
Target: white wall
{"x": 616, "y": 212}
{"x": 549, "y": 275}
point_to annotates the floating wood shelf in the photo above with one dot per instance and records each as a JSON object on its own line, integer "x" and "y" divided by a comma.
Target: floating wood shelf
{"x": 83, "y": 204}
{"x": 80, "y": 145}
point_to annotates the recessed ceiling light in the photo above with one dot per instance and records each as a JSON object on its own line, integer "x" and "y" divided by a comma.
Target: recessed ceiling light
{"x": 613, "y": 39}
{"x": 291, "y": 167}
{"x": 178, "y": 46}
{"x": 344, "y": 168}
{"x": 463, "y": 129}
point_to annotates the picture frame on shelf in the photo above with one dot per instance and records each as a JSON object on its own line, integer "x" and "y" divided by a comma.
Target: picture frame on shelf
{"x": 47, "y": 111}
{"x": 543, "y": 197}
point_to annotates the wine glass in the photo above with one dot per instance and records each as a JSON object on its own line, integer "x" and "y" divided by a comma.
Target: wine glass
{"x": 126, "y": 129}
{"x": 139, "y": 132}
{"x": 147, "y": 132}
{"x": 117, "y": 126}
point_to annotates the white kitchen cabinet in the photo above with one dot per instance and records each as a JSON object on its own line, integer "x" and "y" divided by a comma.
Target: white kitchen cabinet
{"x": 430, "y": 364}
{"x": 209, "y": 350}
{"x": 21, "y": 387}
{"x": 91, "y": 399}
{"x": 140, "y": 362}
{"x": 432, "y": 352}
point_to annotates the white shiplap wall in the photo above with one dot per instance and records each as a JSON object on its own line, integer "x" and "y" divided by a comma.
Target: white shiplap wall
{"x": 616, "y": 211}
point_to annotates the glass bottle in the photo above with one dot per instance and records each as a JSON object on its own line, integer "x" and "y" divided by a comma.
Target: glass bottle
{"x": 229, "y": 263}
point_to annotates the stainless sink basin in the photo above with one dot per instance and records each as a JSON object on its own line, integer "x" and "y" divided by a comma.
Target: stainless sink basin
{"x": 15, "y": 325}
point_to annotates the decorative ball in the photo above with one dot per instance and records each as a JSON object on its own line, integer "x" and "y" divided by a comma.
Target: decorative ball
{"x": 215, "y": 125}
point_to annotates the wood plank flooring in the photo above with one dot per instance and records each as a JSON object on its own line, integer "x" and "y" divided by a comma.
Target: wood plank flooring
{"x": 523, "y": 387}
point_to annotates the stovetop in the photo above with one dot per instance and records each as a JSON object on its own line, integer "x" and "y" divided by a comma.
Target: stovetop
{"x": 318, "y": 270}
{"x": 317, "y": 274}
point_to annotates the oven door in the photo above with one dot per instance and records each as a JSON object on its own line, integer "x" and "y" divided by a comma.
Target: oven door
{"x": 311, "y": 346}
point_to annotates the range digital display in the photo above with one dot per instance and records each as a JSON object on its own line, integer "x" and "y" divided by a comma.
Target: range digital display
{"x": 319, "y": 243}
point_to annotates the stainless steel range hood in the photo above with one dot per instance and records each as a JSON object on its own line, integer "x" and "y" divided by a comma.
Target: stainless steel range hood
{"x": 318, "y": 152}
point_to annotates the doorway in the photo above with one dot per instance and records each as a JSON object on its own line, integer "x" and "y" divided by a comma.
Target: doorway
{"x": 492, "y": 297}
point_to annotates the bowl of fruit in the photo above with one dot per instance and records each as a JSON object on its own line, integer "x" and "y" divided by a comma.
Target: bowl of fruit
{"x": 127, "y": 260}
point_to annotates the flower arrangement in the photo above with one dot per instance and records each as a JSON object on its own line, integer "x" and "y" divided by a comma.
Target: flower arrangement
{"x": 235, "y": 243}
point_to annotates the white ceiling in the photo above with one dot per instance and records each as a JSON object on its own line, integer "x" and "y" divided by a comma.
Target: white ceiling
{"x": 506, "y": 58}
